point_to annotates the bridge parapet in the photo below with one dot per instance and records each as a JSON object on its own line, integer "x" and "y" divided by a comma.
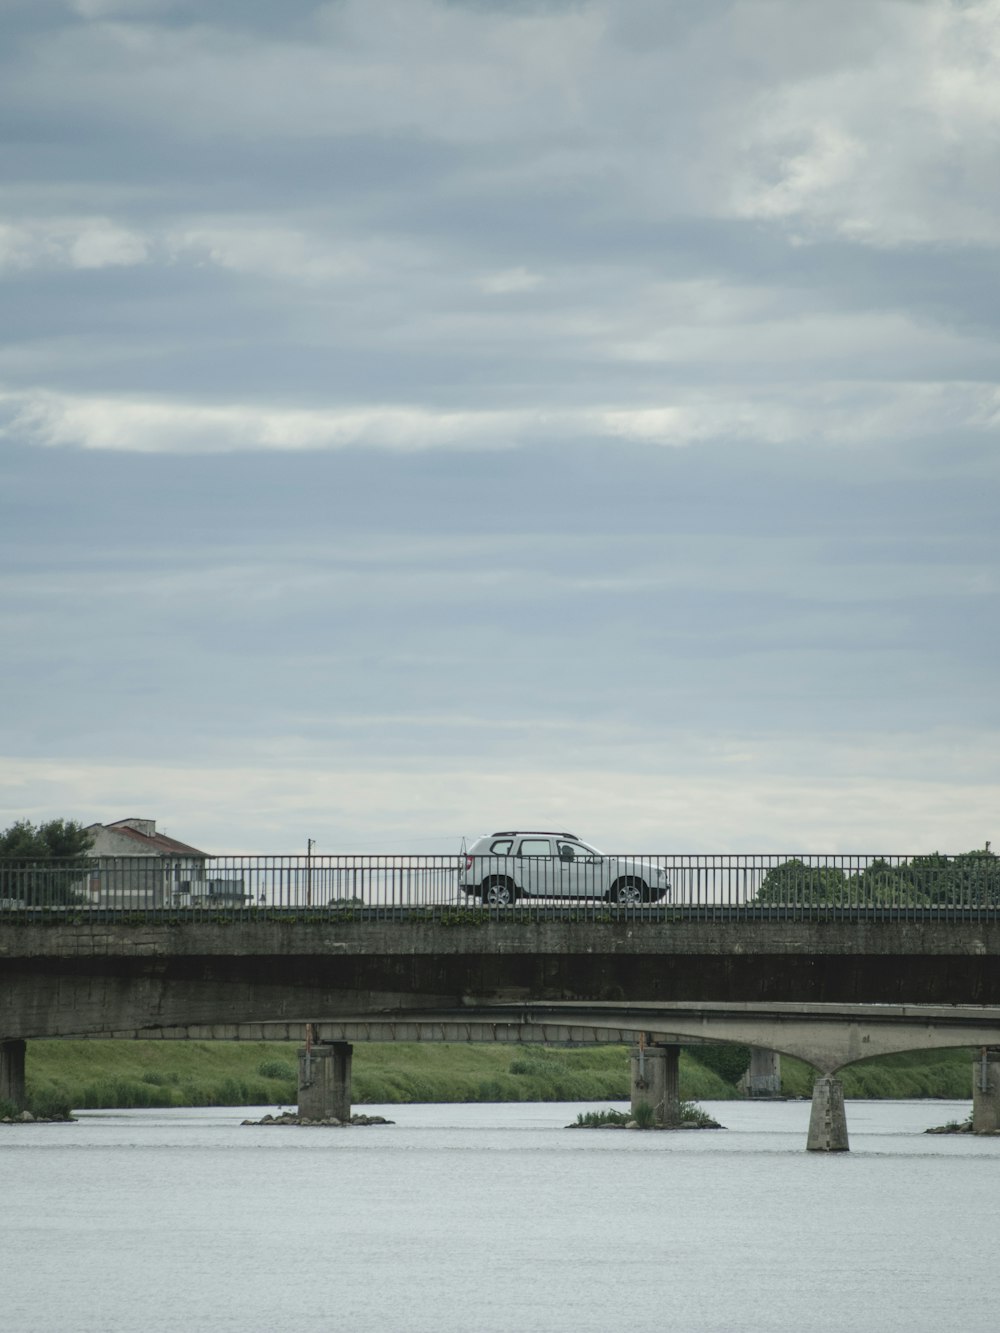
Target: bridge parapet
{"x": 773, "y": 886}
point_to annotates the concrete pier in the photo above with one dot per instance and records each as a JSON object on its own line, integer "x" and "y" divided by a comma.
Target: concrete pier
{"x": 12, "y": 1072}
{"x": 655, "y": 1080}
{"x": 325, "y": 1081}
{"x": 828, "y": 1120}
{"x": 986, "y": 1092}
{"x": 764, "y": 1074}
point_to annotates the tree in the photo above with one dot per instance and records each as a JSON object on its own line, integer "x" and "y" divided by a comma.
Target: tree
{"x": 793, "y": 883}
{"x": 44, "y": 864}
{"x": 728, "y": 1061}
{"x": 971, "y": 879}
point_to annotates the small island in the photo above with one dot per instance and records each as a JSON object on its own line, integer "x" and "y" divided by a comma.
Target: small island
{"x": 643, "y": 1116}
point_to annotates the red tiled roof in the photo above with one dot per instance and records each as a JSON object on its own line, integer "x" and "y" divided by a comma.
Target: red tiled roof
{"x": 156, "y": 842}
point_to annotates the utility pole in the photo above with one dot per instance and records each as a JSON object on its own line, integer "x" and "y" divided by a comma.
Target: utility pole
{"x": 310, "y": 844}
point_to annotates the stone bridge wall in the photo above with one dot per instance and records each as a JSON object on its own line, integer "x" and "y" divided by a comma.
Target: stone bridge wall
{"x": 94, "y": 977}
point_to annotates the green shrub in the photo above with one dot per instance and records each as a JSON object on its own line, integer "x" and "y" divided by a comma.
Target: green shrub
{"x": 695, "y": 1118}
{"x": 280, "y": 1069}
{"x": 124, "y": 1093}
{"x": 50, "y": 1105}
{"x": 644, "y": 1115}
{"x": 730, "y": 1063}
{"x": 594, "y": 1119}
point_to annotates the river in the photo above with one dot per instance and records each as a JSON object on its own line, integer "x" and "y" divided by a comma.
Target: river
{"x": 495, "y": 1218}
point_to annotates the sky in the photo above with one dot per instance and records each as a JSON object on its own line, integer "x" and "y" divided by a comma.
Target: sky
{"x": 424, "y": 417}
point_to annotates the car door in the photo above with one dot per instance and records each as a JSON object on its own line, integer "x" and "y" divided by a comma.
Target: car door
{"x": 539, "y": 873}
{"x": 583, "y": 870}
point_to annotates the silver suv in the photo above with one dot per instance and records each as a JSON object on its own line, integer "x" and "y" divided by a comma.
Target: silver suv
{"x": 512, "y": 864}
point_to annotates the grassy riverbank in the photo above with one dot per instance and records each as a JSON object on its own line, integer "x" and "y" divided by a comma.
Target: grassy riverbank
{"x": 91, "y": 1074}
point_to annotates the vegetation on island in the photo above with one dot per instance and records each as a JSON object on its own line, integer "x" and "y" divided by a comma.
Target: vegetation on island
{"x": 643, "y": 1116}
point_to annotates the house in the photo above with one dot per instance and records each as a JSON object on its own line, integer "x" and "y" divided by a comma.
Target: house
{"x": 134, "y": 866}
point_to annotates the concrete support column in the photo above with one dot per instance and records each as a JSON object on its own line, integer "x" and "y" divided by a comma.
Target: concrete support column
{"x": 325, "y": 1081}
{"x": 828, "y": 1120}
{"x": 656, "y": 1080}
{"x": 764, "y": 1075}
{"x": 986, "y": 1092}
{"x": 12, "y": 1072}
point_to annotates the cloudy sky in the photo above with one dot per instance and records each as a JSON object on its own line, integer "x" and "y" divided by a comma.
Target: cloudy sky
{"x": 419, "y": 417}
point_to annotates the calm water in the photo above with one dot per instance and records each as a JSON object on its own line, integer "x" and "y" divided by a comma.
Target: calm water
{"x": 496, "y": 1218}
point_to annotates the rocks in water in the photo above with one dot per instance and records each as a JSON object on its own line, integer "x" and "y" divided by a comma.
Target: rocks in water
{"x": 26, "y": 1118}
{"x": 291, "y": 1118}
{"x": 965, "y": 1127}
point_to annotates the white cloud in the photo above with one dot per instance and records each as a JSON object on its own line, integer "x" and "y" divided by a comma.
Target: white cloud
{"x": 70, "y": 242}
{"x": 897, "y": 146}
{"x": 160, "y": 426}
{"x": 865, "y": 412}
{"x": 273, "y": 806}
{"x": 281, "y": 252}
{"x": 807, "y": 175}
{"x": 509, "y": 281}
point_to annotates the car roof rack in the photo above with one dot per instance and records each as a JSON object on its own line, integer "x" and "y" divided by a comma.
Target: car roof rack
{"x": 549, "y": 833}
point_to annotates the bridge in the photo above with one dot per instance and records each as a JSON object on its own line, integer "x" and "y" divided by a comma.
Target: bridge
{"x": 830, "y": 987}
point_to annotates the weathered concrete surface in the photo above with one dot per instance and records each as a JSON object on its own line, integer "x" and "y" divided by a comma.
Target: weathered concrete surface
{"x": 986, "y": 1093}
{"x": 828, "y": 1119}
{"x": 656, "y": 1080}
{"x": 12, "y": 1073}
{"x": 325, "y": 1081}
{"x": 764, "y": 1074}
{"x": 96, "y": 977}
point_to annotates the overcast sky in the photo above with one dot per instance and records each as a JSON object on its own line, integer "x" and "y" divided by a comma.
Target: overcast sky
{"x": 419, "y": 417}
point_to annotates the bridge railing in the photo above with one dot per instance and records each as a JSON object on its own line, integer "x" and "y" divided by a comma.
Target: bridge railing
{"x": 650, "y": 887}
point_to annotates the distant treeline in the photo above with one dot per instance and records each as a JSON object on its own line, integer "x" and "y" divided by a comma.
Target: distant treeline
{"x": 971, "y": 879}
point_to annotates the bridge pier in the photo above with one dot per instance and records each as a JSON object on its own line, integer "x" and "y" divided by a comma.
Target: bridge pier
{"x": 656, "y": 1080}
{"x": 325, "y": 1081}
{"x": 12, "y": 1072}
{"x": 764, "y": 1074}
{"x": 828, "y": 1119}
{"x": 986, "y": 1092}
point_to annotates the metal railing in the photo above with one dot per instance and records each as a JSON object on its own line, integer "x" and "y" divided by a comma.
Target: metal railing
{"x": 647, "y": 887}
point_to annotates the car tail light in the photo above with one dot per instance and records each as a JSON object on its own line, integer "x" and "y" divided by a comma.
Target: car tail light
{"x": 468, "y": 862}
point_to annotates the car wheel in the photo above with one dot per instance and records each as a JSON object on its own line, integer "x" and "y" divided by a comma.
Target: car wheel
{"x": 498, "y": 893}
{"x": 628, "y": 892}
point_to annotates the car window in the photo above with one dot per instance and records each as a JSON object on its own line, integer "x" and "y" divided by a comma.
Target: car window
{"x": 580, "y": 850}
{"x": 502, "y": 848}
{"x": 536, "y": 847}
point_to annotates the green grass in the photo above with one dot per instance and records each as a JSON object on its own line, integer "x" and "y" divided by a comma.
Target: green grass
{"x": 945, "y": 1074}
{"x": 217, "y": 1073}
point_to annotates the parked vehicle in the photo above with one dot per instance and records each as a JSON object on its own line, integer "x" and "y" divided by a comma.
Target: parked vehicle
{"x": 209, "y": 893}
{"x": 502, "y": 867}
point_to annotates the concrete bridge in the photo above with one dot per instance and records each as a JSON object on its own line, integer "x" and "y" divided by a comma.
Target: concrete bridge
{"x": 829, "y": 991}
